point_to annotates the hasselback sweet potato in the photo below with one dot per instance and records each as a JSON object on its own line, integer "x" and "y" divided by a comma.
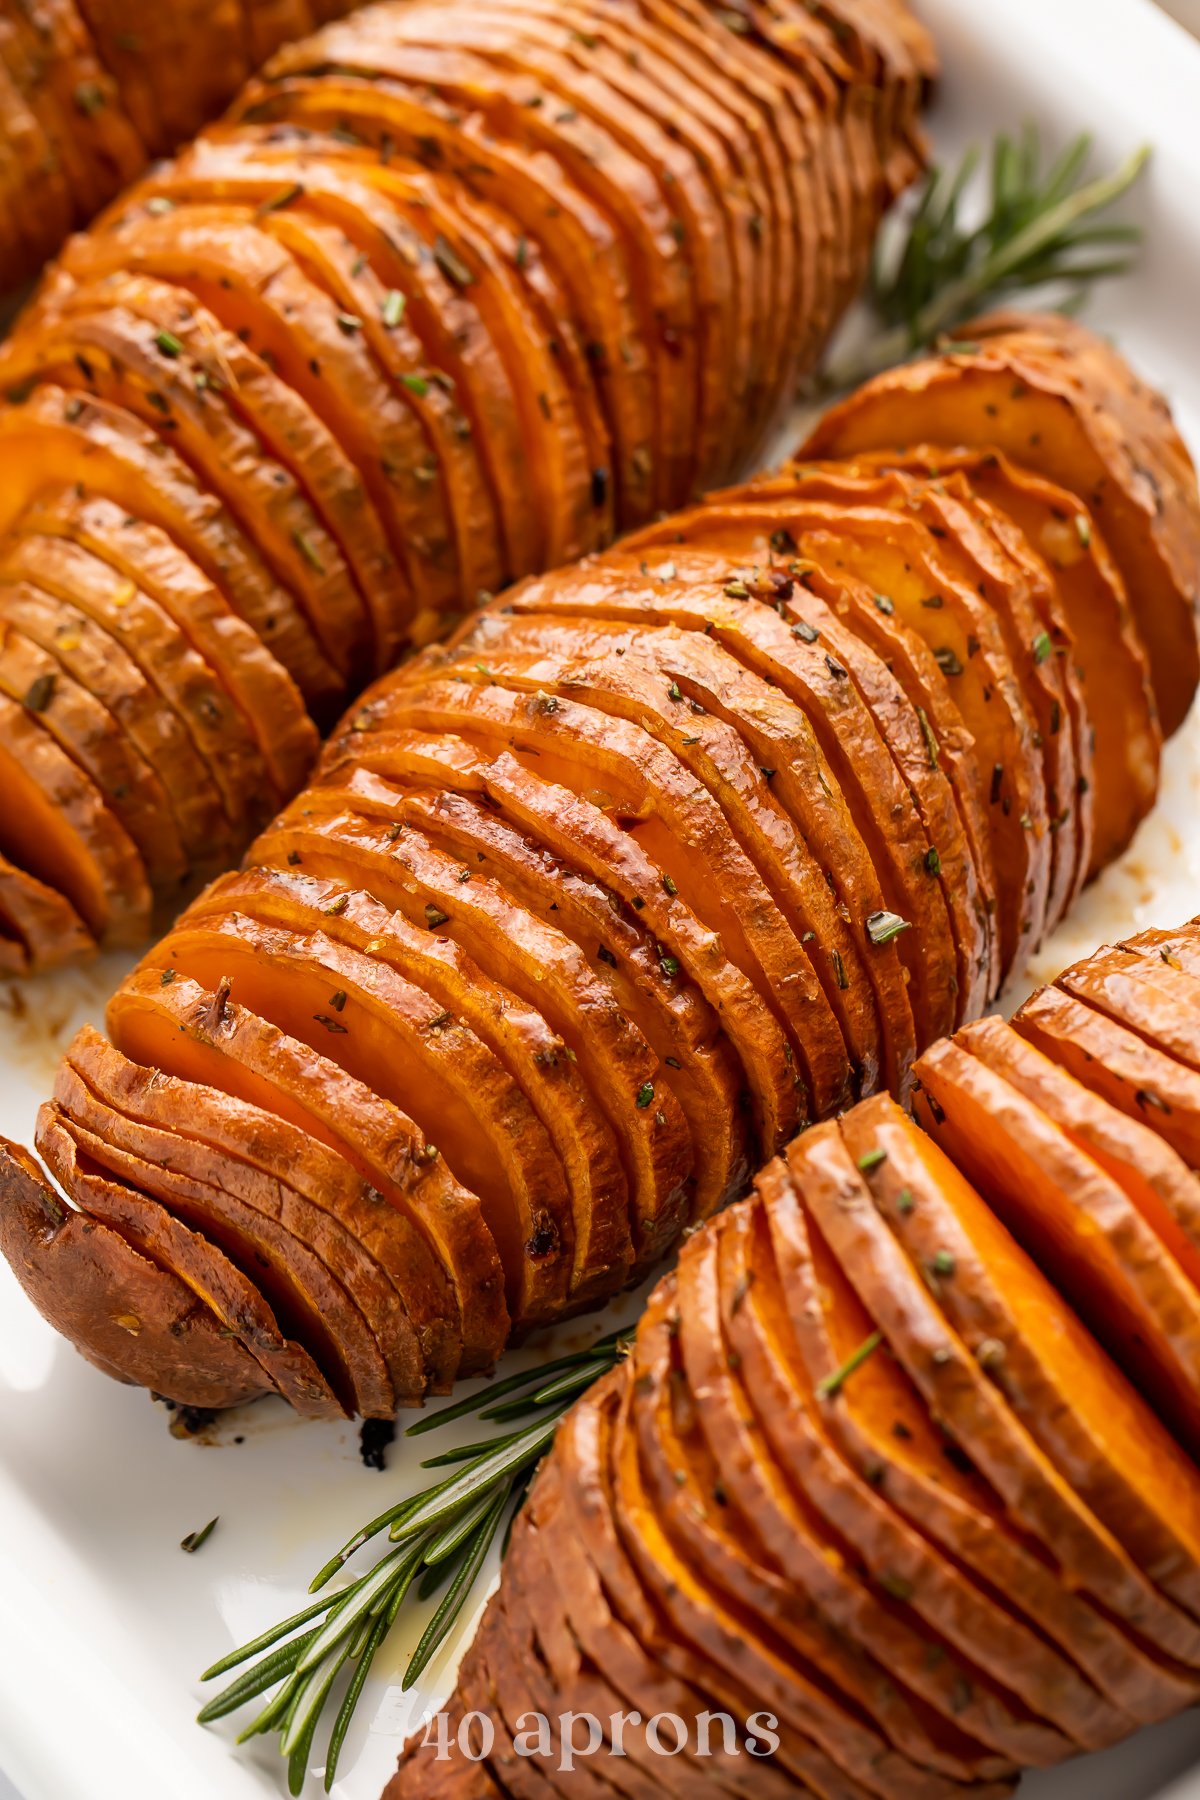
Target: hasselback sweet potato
{"x": 94, "y": 89}
{"x": 814, "y": 1374}
{"x": 450, "y": 294}
{"x": 1032, "y": 389}
{"x": 657, "y": 859}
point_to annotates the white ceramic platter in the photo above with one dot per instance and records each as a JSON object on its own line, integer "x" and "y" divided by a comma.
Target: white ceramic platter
{"x": 104, "y": 1624}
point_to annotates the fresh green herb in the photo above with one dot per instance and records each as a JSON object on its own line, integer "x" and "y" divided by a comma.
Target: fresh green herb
{"x": 833, "y": 1384}
{"x": 645, "y": 1094}
{"x": 882, "y": 927}
{"x": 1041, "y": 646}
{"x": 871, "y": 1159}
{"x": 1038, "y": 231}
{"x": 168, "y": 343}
{"x": 304, "y": 545}
{"x": 392, "y": 310}
{"x": 1083, "y": 528}
{"x": 443, "y": 1534}
{"x": 196, "y": 1539}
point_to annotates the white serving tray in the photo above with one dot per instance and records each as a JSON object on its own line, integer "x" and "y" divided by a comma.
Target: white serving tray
{"x": 104, "y": 1624}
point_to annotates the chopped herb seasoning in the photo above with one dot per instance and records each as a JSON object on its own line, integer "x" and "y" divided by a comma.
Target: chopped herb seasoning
{"x": 166, "y": 978}
{"x": 808, "y": 634}
{"x": 1083, "y": 528}
{"x": 930, "y": 736}
{"x": 737, "y": 590}
{"x": 1041, "y": 646}
{"x": 283, "y": 198}
{"x": 833, "y": 1384}
{"x": 905, "y": 1202}
{"x": 885, "y": 605}
{"x": 843, "y": 980}
{"x": 331, "y": 1024}
{"x": 674, "y": 692}
{"x": 871, "y": 1159}
{"x": 943, "y": 1263}
{"x": 89, "y": 98}
{"x": 451, "y": 263}
{"x": 645, "y": 1094}
{"x": 947, "y": 661}
{"x": 933, "y": 862}
{"x": 434, "y": 916}
{"x": 670, "y": 968}
{"x": 882, "y": 927}
{"x": 168, "y": 343}
{"x": 669, "y": 884}
{"x": 39, "y": 694}
{"x": 416, "y": 384}
{"x": 304, "y": 545}
{"x": 835, "y": 668}
{"x": 349, "y": 323}
{"x": 338, "y": 1000}
{"x": 195, "y": 1540}
{"x": 392, "y": 309}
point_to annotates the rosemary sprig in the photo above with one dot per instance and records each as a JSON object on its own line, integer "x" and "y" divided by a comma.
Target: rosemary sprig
{"x": 1038, "y": 232}
{"x": 437, "y": 1539}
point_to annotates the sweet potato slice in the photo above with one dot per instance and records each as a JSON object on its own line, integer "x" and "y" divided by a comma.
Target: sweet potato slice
{"x": 790, "y": 1412}
{"x": 998, "y": 398}
{"x": 121, "y": 1311}
{"x": 619, "y": 767}
{"x": 392, "y": 1035}
{"x": 1073, "y": 1217}
{"x": 330, "y": 1280}
{"x": 1160, "y": 1003}
{"x": 583, "y": 1451}
{"x": 833, "y": 681}
{"x": 1119, "y": 1066}
{"x": 1037, "y": 1351}
{"x": 113, "y": 454}
{"x": 594, "y": 1228}
{"x": 366, "y": 1243}
{"x": 72, "y": 713}
{"x": 897, "y": 556}
{"x": 880, "y": 1424}
{"x": 634, "y": 675}
{"x": 84, "y": 615}
{"x": 764, "y": 655}
{"x": 153, "y": 1233}
{"x": 41, "y": 920}
{"x": 583, "y": 834}
{"x": 992, "y": 559}
{"x": 972, "y": 1411}
{"x": 946, "y": 764}
{"x": 1108, "y": 650}
{"x": 455, "y": 1290}
{"x": 960, "y": 1720}
{"x": 560, "y": 223}
{"x": 356, "y": 244}
{"x": 697, "y": 1063}
{"x": 253, "y": 732}
{"x": 507, "y": 105}
{"x": 56, "y": 826}
{"x": 580, "y": 1063}
{"x": 466, "y": 315}
{"x": 610, "y": 110}
{"x": 845, "y": 1704}
{"x": 152, "y": 373}
{"x": 226, "y": 258}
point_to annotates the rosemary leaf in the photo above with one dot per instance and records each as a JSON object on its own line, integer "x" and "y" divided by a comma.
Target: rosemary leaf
{"x": 1031, "y": 235}
{"x": 439, "y": 1626}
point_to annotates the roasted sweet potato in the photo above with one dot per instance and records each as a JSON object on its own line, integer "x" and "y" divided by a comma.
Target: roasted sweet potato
{"x": 1131, "y": 1074}
{"x": 365, "y": 1243}
{"x": 1108, "y": 650}
{"x": 1039, "y": 1351}
{"x": 1077, "y": 1219}
{"x": 127, "y": 1315}
{"x": 41, "y": 920}
{"x": 162, "y": 1237}
{"x": 1032, "y": 391}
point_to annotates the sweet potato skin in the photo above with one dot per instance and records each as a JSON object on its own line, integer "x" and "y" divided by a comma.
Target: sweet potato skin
{"x": 124, "y": 1314}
